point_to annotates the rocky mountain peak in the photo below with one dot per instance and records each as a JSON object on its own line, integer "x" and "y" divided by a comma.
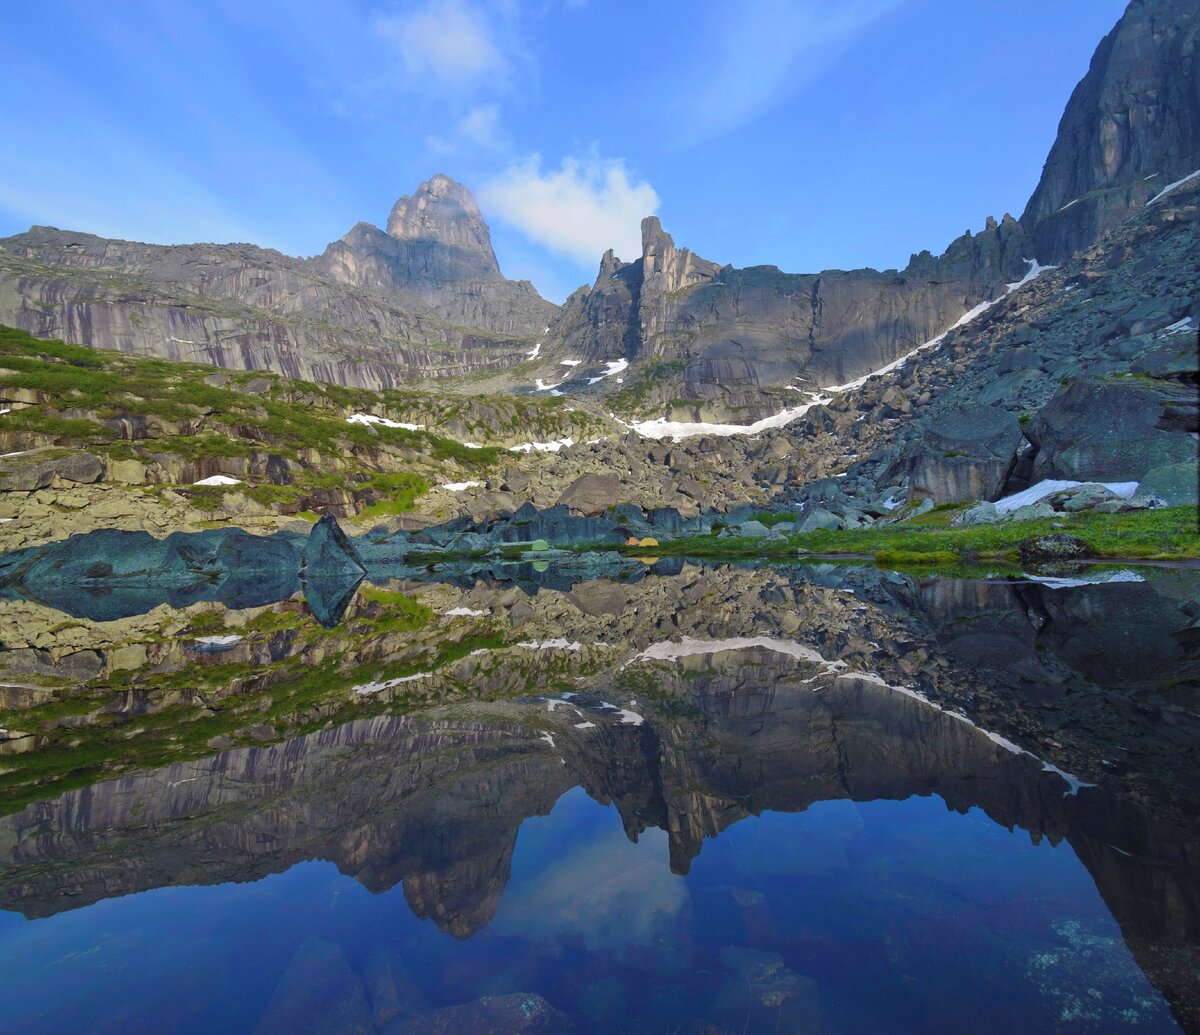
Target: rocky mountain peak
{"x": 442, "y": 215}
{"x": 1131, "y": 126}
{"x": 666, "y": 268}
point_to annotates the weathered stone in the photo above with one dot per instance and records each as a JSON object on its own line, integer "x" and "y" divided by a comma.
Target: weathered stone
{"x": 592, "y": 494}
{"x": 32, "y": 472}
{"x": 1058, "y": 546}
{"x": 1174, "y": 483}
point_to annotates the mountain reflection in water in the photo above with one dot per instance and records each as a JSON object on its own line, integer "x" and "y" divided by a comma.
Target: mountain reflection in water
{"x": 711, "y": 799}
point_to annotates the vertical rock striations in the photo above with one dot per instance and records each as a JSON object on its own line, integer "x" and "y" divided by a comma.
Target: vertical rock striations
{"x": 1131, "y": 127}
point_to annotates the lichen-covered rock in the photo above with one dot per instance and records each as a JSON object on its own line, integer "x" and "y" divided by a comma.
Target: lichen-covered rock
{"x": 1115, "y": 430}
{"x": 1058, "y": 546}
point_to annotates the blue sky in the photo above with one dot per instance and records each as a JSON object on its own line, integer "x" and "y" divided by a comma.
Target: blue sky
{"x": 804, "y": 133}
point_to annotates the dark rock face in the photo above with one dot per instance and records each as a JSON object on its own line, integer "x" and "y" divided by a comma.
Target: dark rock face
{"x": 1114, "y": 430}
{"x": 966, "y": 455}
{"x": 1131, "y": 127}
{"x": 722, "y": 335}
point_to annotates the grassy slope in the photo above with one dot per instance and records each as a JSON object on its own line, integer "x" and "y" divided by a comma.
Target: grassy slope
{"x": 1171, "y": 533}
{"x": 190, "y": 419}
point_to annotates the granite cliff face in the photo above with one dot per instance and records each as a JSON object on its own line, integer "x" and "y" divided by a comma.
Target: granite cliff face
{"x": 426, "y": 299}
{"x": 731, "y": 333}
{"x": 438, "y": 247}
{"x": 1131, "y": 127}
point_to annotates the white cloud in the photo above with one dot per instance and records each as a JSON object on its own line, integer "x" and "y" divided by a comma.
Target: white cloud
{"x": 766, "y": 51}
{"x": 446, "y": 39}
{"x": 481, "y": 126}
{"x": 580, "y": 210}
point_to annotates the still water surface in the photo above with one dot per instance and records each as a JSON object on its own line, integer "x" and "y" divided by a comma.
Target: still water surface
{"x": 707, "y": 800}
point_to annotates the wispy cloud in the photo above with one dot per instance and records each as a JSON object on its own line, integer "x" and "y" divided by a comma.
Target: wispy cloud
{"x": 451, "y": 41}
{"x": 765, "y": 51}
{"x": 579, "y": 210}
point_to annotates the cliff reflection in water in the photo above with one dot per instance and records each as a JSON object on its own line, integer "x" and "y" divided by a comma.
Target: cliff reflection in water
{"x": 692, "y": 701}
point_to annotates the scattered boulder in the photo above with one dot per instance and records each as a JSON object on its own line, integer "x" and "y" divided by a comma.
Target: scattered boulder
{"x": 980, "y": 514}
{"x": 1058, "y": 546}
{"x": 33, "y": 471}
{"x": 818, "y": 518}
{"x": 968, "y": 454}
{"x": 1174, "y": 483}
{"x": 592, "y": 494}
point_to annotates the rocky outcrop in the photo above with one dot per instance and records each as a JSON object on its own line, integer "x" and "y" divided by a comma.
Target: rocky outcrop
{"x": 1116, "y": 430}
{"x": 372, "y": 311}
{"x": 1130, "y": 128}
{"x": 967, "y": 455}
{"x": 718, "y": 337}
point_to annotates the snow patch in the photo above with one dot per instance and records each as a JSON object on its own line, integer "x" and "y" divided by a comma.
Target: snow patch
{"x": 548, "y": 738}
{"x": 542, "y": 447}
{"x": 569, "y": 362}
{"x": 1178, "y": 327}
{"x": 1171, "y": 186}
{"x": 585, "y": 725}
{"x": 1049, "y": 486}
{"x": 559, "y": 643}
{"x": 668, "y": 650}
{"x": 383, "y": 422}
{"x": 218, "y": 479}
{"x": 220, "y": 641}
{"x": 463, "y": 612}
{"x": 541, "y": 386}
{"x": 387, "y": 684}
{"x": 1099, "y": 578}
{"x": 661, "y": 428}
{"x": 534, "y": 352}
{"x": 615, "y": 366}
{"x": 461, "y": 486}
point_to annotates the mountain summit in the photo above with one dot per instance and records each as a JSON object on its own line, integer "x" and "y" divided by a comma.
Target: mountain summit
{"x": 1130, "y": 128}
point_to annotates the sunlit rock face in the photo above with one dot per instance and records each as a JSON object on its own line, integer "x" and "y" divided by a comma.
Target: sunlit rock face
{"x": 375, "y": 309}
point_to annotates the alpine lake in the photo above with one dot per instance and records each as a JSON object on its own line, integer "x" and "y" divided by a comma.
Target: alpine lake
{"x": 602, "y": 794}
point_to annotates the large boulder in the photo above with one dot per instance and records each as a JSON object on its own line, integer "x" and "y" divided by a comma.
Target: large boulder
{"x": 328, "y": 553}
{"x": 1173, "y": 483}
{"x": 33, "y": 471}
{"x": 966, "y": 455}
{"x": 1116, "y": 430}
{"x": 592, "y": 494}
